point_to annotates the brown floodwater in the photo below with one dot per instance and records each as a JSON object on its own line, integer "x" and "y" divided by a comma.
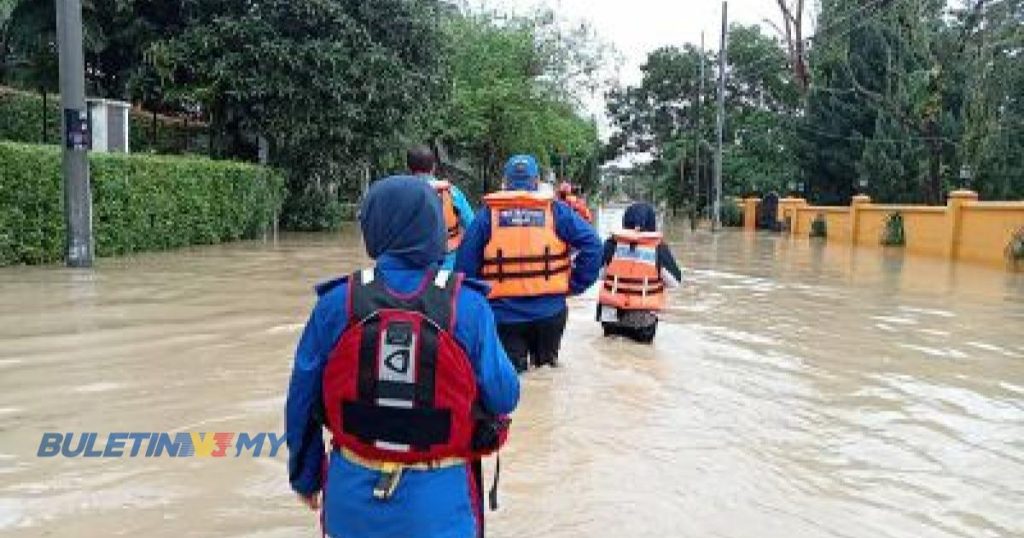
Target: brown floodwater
{"x": 793, "y": 390}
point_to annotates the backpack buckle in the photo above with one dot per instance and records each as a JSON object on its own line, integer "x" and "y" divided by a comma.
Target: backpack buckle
{"x": 387, "y": 483}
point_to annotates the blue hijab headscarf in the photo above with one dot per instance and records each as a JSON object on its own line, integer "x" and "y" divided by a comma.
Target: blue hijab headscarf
{"x": 401, "y": 216}
{"x": 640, "y": 216}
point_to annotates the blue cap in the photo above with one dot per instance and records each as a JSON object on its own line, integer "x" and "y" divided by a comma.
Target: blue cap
{"x": 520, "y": 170}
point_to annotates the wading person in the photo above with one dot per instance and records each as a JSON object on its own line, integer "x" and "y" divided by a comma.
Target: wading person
{"x": 578, "y": 204}
{"x": 402, "y": 364}
{"x": 638, "y": 267}
{"x": 458, "y": 214}
{"x": 520, "y": 244}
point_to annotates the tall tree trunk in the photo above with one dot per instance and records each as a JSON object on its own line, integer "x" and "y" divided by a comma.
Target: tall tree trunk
{"x": 793, "y": 23}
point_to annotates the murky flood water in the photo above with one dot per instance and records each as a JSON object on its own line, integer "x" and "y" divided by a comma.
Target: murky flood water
{"x": 793, "y": 391}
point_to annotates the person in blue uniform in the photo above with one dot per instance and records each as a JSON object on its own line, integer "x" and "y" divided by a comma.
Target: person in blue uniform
{"x": 535, "y": 269}
{"x": 422, "y": 163}
{"x": 401, "y": 223}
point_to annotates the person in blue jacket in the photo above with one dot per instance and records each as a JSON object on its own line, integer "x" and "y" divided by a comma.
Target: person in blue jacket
{"x": 401, "y": 223}
{"x": 531, "y": 324}
{"x": 421, "y": 162}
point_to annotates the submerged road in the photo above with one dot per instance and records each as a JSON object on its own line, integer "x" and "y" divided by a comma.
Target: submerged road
{"x": 793, "y": 390}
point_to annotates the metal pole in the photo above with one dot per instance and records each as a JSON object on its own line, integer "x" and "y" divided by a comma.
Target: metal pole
{"x": 699, "y": 138}
{"x": 717, "y": 222}
{"x": 76, "y": 134}
{"x": 708, "y": 194}
{"x": 682, "y": 172}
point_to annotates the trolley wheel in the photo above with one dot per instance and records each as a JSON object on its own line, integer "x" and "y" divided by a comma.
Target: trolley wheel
{"x": 645, "y": 335}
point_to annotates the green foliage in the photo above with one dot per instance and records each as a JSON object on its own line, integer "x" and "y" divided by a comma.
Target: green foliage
{"x": 994, "y": 115}
{"x": 329, "y": 83}
{"x": 514, "y": 90}
{"x": 660, "y": 116}
{"x": 911, "y": 92}
{"x": 893, "y": 234}
{"x": 140, "y": 202}
{"x": 313, "y": 211}
{"x": 732, "y": 214}
{"x": 819, "y": 226}
{"x": 902, "y": 95}
{"x": 28, "y": 48}
{"x": 23, "y": 115}
{"x": 115, "y": 35}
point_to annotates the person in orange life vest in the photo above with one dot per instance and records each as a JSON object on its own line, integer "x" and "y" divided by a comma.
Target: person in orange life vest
{"x": 578, "y": 204}
{"x": 520, "y": 243}
{"x": 458, "y": 213}
{"x": 391, "y": 407}
{"x": 637, "y": 268}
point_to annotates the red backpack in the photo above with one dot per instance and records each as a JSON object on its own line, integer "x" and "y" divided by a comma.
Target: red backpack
{"x": 397, "y": 386}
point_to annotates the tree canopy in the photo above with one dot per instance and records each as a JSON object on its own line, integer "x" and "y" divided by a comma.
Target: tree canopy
{"x": 332, "y": 91}
{"x": 517, "y": 84}
{"x": 904, "y": 100}
{"x": 660, "y": 116}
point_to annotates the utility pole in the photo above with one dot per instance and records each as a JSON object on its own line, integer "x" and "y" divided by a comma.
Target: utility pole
{"x": 723, "y": 51}
{"x": 682, "y": 171}
{"x": 77, "y": 135}
{"x": 699, "y": 138}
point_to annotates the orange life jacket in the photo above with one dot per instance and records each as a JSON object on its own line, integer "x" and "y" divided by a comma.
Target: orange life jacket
{"x": 579, "y": 206}
{"x": 452, "y": 223}
{"x": 524, "y": 257}
{"x": 632, "y": 280}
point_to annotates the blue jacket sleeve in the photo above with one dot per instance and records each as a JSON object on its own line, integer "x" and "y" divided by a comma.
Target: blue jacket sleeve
{"x": 462, "y": 205}
{"x": 582, "y": 237}
{"x": 471, "y": 252}
{"x": 495, "y": 376}
{"x": 303, "y": 428}
{"x": 668, "y": 262}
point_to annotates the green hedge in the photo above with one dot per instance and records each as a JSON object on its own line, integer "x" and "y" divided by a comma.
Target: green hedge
{"x": 21, "y": 120}
{"x": 140, "y": 202}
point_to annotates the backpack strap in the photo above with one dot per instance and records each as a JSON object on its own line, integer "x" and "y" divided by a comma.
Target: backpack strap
{"x": 435, "y": 297}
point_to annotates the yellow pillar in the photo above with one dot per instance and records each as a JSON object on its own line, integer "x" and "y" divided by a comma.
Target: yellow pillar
{"x": 856, "y": 203}
{"x": 750, "y": 213}
{"x": 788, "y": 210}
{"x": 954, "y": 219}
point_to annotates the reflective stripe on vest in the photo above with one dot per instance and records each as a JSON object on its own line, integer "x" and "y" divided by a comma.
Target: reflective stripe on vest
{"x": 452, "y": 223}
{"x": 524, "y": 257}
{"x": 632, "y": 280}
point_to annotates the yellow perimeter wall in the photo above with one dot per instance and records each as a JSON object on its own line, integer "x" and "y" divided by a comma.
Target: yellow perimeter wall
{"x": 963, "y": 229}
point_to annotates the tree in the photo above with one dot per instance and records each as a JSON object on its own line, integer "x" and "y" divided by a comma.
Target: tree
{"x": 516, "y": 88}
{"x": 899, "y": 100}
{"x": 867, "y": 104}
{"x": 659, "y": 116}
{"x": 793, "y": 24}
{"x": 660, "y": 109}
{"x": 993, "y": 60}
{"x": 30, "y": 44}
{"x": 328, "y": 83}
